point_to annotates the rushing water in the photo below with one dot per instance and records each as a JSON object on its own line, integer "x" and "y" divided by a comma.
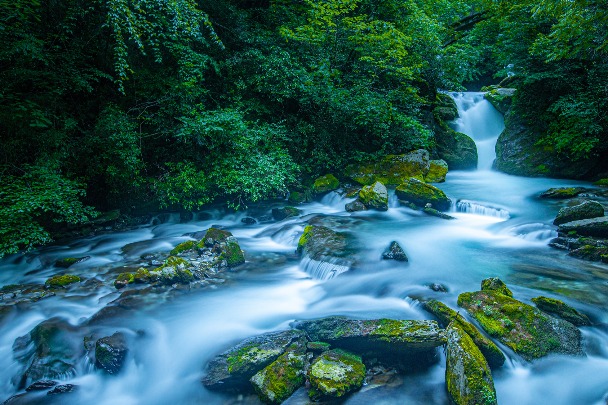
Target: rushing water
{"x": 501, "y": 229}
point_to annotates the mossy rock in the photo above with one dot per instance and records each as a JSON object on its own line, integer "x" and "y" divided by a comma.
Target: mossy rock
{"x": 595, "y": 227}
{"x": 69, "y": 261}
{"x": 457, "y": 149}
{"x": 563, "y": 192}
{"x": 232, "y": 253}
{"x": 320, "y": 242}
{"x": 394, "y": 252}
{"x": 318, "y": 347}
{"x": 446, "y": 113}
{"x": 601, "y": 183}
{"x": 280, "y": 214}
{"x": 213, "y": 236}
{"x": 299, "y": 197}
{"x": 123, "y": 280}
{"x": 434, "y": 213}
{"x": 591, "y": 252}
{"x": 562, "y": 310}
{"x": 391, "y": 169}
{"x": 467, "y": 376}
{"x": 183, "y": 247}
{"x": 420, "y": 193}
{"x": 500, "y": 98}
{"x": 234, "y": 368}
{"x": 497, "y": 285}
{"x": 141, "y": 276}
{"x": 111, "y": 352}
{"x": 60, "y": 281}
{"x": 281, "y": 378}
{"x": 525, "y": 329}
{"x": 584, "y": 210}
{"x": 374, "y": 196}
{"x": 326, "y": 183}
{"x": 446, "y": 315}
{"x": 335, "y": 373}
{"x": 174, "y": 270}
{"x": 438, "y": 169}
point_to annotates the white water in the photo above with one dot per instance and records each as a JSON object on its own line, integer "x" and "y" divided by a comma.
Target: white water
{"x": 172, "y": 338}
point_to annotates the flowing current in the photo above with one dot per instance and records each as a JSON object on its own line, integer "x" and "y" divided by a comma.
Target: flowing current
{"x": 501, "y": 229}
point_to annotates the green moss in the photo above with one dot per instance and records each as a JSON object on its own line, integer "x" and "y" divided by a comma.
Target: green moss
{"x": 420, "y": 193}
{"x": 336, "y": 373}
{"x": 318, "y": 346}
{"x": 297, "y": 197}
{"x": 61, "y": 281}
{"x": 496, "y": 284}
{"x": 562, "y": 310}
{"x": 233, "y": 254}
{"x": 174, "y": 270}
{"x": 304, "y": 238}
{"x": 374, "y": 196}
{"x": 601, "y": 183}
{"x": 182, "y": 247}
{"x": 123, "y": 279}
{"x": 279, "y": 380}
{"x": 69, "y": 261}
{"x": 438, "y": 169}
{"x": 325, "y": 183}
{"x": 212, "y": 236}
{"x": 247, "y": 355}
{"x": 141, "y": 276}
{"x": 10, "y": 288}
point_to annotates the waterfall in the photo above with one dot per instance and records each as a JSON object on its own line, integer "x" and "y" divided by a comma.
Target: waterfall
{"x": 324, "y": 269}
{"x": 482, "y": 122}
{"x": 474, "y": 207}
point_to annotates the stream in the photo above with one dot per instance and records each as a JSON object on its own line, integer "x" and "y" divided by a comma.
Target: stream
{"x": 501, "y": 230}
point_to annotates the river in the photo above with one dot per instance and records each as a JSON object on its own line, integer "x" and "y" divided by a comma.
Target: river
{"x": 501, "y": 229}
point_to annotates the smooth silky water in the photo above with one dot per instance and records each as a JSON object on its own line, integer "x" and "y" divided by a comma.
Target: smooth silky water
{"x": 501, "y": 229}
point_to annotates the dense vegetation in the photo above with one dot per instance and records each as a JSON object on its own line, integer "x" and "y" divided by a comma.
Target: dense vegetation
{"x": 174, "y": 104}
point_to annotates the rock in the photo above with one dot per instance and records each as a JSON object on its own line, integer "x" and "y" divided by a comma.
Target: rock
{"x": 597, "y": 227}
{"x": 392, "y": 169}
{"x": 234, "y": 368}
{"x": 62, "y": 389}
{"x": 335, "y": 373}
{"x": 433, "y": 212}
{"x": 249, "y": 221}
{"x": 111, "y": 352}
{"x": 601, "y": 182}
{"x": 280, "y": 214}
{"x": 394, "y": 252}
{"x": 213, "y": 236}
{"x": 585, "y": 210}
{"x": 446, "y": 315}
{"x": 438, "y": 287}
{"x": 123, "y": 280}
{"x": 420, "y": 193}
{"x": 298, "y": 197}
{"x": 467, "y": 376}
{"x": 374, "y": 196}
{"x": 61, "y": 281}
{"x": 183, "y": 247}
{"x": 325, "y": 184}
{"x": 562, "y": 310}
{"x": 68, "y": 261}
{"x": 497, "y": 285}
{"x": 500, "y": 98}
{"x": 42, "y": 385}
{"x": 563, "y": 192}
{"x": 438, "y": 169}
{"x": 455, "y": 148}
{"x": 318, "y": 347}
{"x": 446, "y": 113}
{"x": 281, "y": 378}
{"x": 321, "y": 243}
{"x": 355, "y": 206}
{"x": 591, "y": 252}
{"x": 525, "y": 329}
{"x": 174, "y": 270}
{"x": 232, "y": 253}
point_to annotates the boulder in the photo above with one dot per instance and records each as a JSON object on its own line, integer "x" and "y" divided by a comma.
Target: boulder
{"x": 234, "y": 368}
{"x": 394, "y": 252}
{"x": 325, "y": 184}
{"x": 496, "y": 284}
{"x": 467, "y": 376}
{"x": 500, "y": 98}
{"x": 222, "y": 244}
{"x": 374, "y": 196}
{"x": 446, "y": 315}
{"x": 562, "y": 310}
{"x": 392, "y": 169}
{"x": 249, "y": 221}
{"x": 41, "y": 385}
{"x": 585, "y": 210}
{"x": 419, "y": 193}
{"x": 525, "y": 329}
{"x": 60, "y": 281}
{"x": 596, "y": 227}
{"x": 355, "y": 206}
{"x": 174, "y": 270}
{"x": 299, "y": 197}
{"x": 62, "y": 389}
{"x": 111, "y": 352}
{"x": 212, "y": 237}
{"x": 335, "y": 373}
{"x": 562, "y": 193}
{"x": 320, "y": 243}
{"x": 183, "y": 247}
{"x": 438, "y": 169}
{"x": 280, "y": 214}
{"x": 281, "y": 378}
{"x": 458, "y": 150}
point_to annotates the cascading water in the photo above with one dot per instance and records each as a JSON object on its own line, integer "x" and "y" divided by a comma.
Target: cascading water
{"x": 500, "y": 230}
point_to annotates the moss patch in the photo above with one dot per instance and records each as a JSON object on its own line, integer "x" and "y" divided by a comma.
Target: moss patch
{"x": 213, "y": 236}
{"x": 183, "y": 247}
{"x": 438, "y": 169}
{"x": 336, "y": 373}
{"x": 420, "y": 193}
{"x": 561, "y": 310}
{"x": 325, "y": 183}
{"x": 61, "y": 281}
{"x": 277, "y": 381}
{"x": 233, "y": 253}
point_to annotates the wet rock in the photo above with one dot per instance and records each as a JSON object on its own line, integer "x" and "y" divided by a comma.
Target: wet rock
{"x": 60, "y": 281}
{"x": 597, "y": 227}
{"x": 585, "y": 210}
{"x": 525, "y": 329}
{"x": 299, "y": 197}
{"x": 562, "y": 310}
{"x": 280, "y": 214}
{"x": 174, "y": 270}
{"x": 438, "y": 287}
{"x": 249, "y": 221}
{"x": 591, "y": 252}
{"x": 111, "y": 352}
{"x": 392, "y": 169}
{"x": 335, "y": 373}
{"x": 318, "y": 347}
{"x": 563, "y": 192}
{"x": 123, "y": 280}
{"x": 212, "y": 237}
{"x": 183, "y": 247}
{"x": 419, "y": 193}
{"x": 69, "y": 261}
{"x": 233, "y": 368}
{"x": 42, "y": 385}
{"x": 325, "y": 184}
{"x": 433, "y": 212}
{"x": 321, "y": 243}
{"x": 374, "y": 196}
{"x": 467, "y": 376}
{"x": 446, "y": 315}
{"x": 497, "y": 285}
{"x": 355, "y": 206}
{"x": 438, "y": 169}
{"x": 500, "y": 98}
{"x": 455, "y": 148}
{"x": 394, "y": 252}
{"x": 62, "y": 389}
{"x": 281, "y": 378}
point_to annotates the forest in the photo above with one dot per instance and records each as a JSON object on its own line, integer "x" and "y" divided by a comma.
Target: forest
{"x": 157, "y": 104}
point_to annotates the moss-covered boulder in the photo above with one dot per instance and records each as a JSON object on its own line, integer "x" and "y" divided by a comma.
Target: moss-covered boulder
{"x": 420, "y": 193}
{"x": 234, "y": 368}
{"x": 392, "y": 169}
{"x": 183, "y": 247}
{"x": 280, "y": 214}
{"x": 355, "y": 206}
{"x": 467, "y": 375}
{"x": 281, "y": 378}
{"x": 174, "y": 270}
{"x": 320, "y": 243}
{"x": 212, "y": 237}
{"x": 562, "y": 310}
{"x": 447, "y": 315}
{"x": 438, "y": 169}
{"x": 394, "y": 252}
{"x": 335, "y": 373}
{"x": 223, "y": 244}
{"x": 374, "y": 196}
{"x": 528, "y": 331}
{"x": 562, "y": 193}
{"x": 601, "y": 182}
{"x": 124, "y": 279}
{"x": 60, "y": 281}
{"x": 584, "y": 210}
{"x": 500, "y": 98}
{"x": 324, "y": 184}
{"x": 69, "y": 261}
{"x": 111, "y": 352}
{"x": 232, "y": 252}
{"x": 299, "y": 197}
{"x": 596, "y": 227}
{"x": 496, "y": 284}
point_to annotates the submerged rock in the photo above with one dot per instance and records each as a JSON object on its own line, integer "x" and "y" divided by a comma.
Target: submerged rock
{"x": 446, "y": 315}
{"x": 433, "y": 212}
{"x": 69, "y": 261}
{"x": 60, "y": 281}
{"x": 525, "y": 329}
{"x": 42, "y": 385}
{"x": 374, "y": 196}
{"x": 597, "y": 227}
{"x": 420, "y": 193}
{"x": 62, "y": 389}
{"x": 392, "y": 169}
{"x": 562, "y": 192}
{"x": 326, "y": 183}
{"x": 280, "y": 214}
{"x": 585, "y": 210}
{"x": 281, "y": 378}
{"x": 394, "y": 252}
{"x": 335, "y": 373}
{"x": 111, "y": 352}
{"x": 355, "y": 206}
{"x": 562, "y": 310}
{"x": 467, "y": 376}
{"x": 234, "y": 368}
